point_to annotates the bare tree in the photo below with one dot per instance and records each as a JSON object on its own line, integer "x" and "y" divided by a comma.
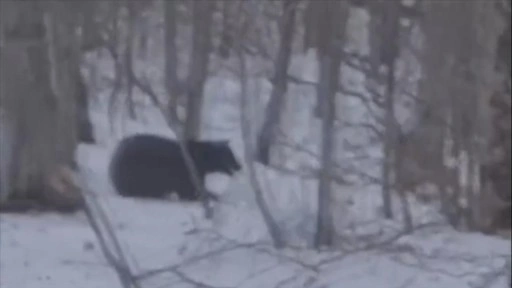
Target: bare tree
{"x": 383, "y": 27}
{"x": 39, "y": 63}
{"x": 6, "y": 146}
{"x": 128, "y": 55}
{"x": 84, "y": 126}
{"x": 272, "y": 226}
{"x": 172, "y": 82}
{"x": 496, "y": 170}
{"x": 226, "y": 41}
{"x": 331, "y": 37}
{"x": 240, "y": 37}
{"x": 457, "y": 83}
{"x": 91, "y": 26}
{"x": 202, "y": 13}
{"x": 270, "y": 126}
{"x": 392, "y": 159}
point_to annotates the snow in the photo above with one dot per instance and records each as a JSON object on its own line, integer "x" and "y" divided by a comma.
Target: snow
{"x": 232, "y": 250}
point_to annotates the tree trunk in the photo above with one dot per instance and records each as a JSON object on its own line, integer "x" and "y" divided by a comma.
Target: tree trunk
{"x": 384, "y": 29}
{"x": 39, "y": 64}
{"x": 333, "y": 23}
{"x": 388, "y": 56}
{"x": 172, "y": 82}
{"x": 84, "y": 125}
{"x": 128, "y": 58}
{"x": 226, "y": 41}
{"x": 311, "y": 18}
{"x": 273, "y": 111}
{"x": 325, "y": 226}
{"x": 272, "y": 226}
{"x": 6, "y": 148}
{"x": 91, "y": 30}
{"x": 458, "y": 79}
{"x": 202, "y": 13}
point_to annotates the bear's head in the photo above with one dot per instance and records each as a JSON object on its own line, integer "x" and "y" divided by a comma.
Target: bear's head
{"x": 221, "y": 158}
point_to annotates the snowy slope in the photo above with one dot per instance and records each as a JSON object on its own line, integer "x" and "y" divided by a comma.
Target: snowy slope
{"x": 38, "y": 251}
{"x": 61, "y": 252}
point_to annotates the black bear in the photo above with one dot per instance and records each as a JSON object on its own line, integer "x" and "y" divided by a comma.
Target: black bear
{"x": 151, "y": 166}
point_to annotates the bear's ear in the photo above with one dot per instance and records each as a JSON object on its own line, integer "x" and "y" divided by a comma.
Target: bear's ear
{"x": 222, "y": 142}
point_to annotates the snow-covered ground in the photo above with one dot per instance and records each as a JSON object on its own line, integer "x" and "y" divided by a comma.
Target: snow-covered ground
{"x": 232, "y": 250}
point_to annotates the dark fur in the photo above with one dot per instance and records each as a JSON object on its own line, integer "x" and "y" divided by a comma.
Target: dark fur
{"x": 152, "y": 166}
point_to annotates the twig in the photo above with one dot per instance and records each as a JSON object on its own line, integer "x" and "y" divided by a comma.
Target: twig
{"x": 120, "y": 264}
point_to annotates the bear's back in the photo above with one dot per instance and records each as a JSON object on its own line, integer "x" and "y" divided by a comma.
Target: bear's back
{"x": 150, "y": 165}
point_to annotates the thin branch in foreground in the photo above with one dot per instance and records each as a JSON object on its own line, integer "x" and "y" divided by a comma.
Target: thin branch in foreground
{"x": 192, "y": 260}
{"x": 379, "y": 244}
{"x": 120, "y": 264}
